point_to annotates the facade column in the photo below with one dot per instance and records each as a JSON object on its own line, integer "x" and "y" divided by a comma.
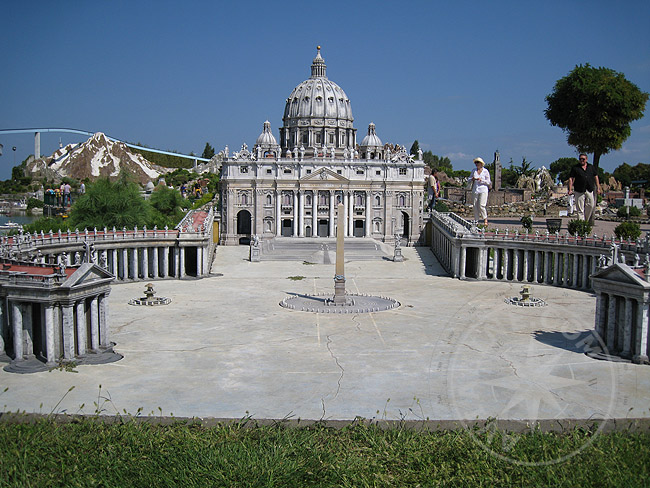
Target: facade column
{"x": 314, "y": 213}
{"x": 103, "y": 320}
{"x": 17, "y": 315}
{"x": 463, "y": 260}
{"x": 68, "y": 331}
{"x": 641, "y": 339}
{"x": 368, "y": 214}
{"x": 611, "y": 323}
{"x": 301, "y": 213}
{"x": 345, "y": 200}
{"x": 48, "y": 315}
{"x": 94, "y": 324}
{"x": 295, "y": 214}
{"x": 331, "y": 220}
{"x": 278, "y": 213}
{"x": 82, "y": 339}
{"x": 351, "y": 215}
{"x": 601, "y": 315}
{"x": 627, "y": 329}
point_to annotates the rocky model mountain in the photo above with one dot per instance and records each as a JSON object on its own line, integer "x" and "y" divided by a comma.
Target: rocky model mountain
{"x": 96, "y": 157}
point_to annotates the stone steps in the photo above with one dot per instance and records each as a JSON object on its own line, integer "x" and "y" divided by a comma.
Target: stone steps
{"x": 321, "y": 251}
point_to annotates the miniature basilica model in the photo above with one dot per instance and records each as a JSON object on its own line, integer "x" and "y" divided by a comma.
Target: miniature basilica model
{"x": 291, "y": 189}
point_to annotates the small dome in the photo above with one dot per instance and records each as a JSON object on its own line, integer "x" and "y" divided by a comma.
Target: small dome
{"x": 266, "y": 137}
{"x": 371, "y": 140}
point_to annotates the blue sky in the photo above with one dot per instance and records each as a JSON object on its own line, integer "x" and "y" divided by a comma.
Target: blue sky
{"x": 464, "y": 78}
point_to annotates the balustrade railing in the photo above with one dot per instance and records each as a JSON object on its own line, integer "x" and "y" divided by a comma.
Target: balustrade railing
{"x": 546, "y": 258}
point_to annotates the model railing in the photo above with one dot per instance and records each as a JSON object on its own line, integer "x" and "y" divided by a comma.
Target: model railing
{"x": 129, "y": 254}
{"x": 466, "y": 251}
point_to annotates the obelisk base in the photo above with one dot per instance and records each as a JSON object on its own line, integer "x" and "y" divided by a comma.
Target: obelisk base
{"x": 339, "y": 291}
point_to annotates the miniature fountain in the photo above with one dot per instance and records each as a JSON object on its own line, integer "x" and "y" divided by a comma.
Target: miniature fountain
{"x": 341, "y": 302}
{"x": 526, "y": 299}
{"x": 149, "y": 299}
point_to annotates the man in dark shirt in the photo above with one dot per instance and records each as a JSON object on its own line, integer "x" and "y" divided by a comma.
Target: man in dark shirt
{"x": 583, "y": 180}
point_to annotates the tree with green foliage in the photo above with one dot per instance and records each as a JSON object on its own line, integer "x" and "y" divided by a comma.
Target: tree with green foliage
{"x": 208, "y": 152}
{"x": 415, "y": 148}
{"x": 595, "y": 106}
{"x": 108, "y": 204}
{"x": 639, "y": 174}
{"x": 167, "y": 205}
{"x": 561, "y": 168}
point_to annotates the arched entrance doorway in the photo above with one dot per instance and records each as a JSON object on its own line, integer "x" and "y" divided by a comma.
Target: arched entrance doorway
{"x": 244, "y": 224}
{"x": 406, "y": 225}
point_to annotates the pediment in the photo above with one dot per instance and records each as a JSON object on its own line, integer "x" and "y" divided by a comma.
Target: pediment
{"x": 325, "y": 174}
{"x": 86, "y": 274}
{"x": 621, "y": 273}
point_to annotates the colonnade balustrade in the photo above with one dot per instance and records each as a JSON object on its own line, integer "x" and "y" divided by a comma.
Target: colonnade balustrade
{"x": 128, "y": 254}
{"x": 545, "y": 258}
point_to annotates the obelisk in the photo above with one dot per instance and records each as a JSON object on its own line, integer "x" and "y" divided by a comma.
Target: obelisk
{"x": 339, "y": 275}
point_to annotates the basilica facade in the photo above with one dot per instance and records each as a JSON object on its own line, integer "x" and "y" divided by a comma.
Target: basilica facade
{"x": 292, "y": 189}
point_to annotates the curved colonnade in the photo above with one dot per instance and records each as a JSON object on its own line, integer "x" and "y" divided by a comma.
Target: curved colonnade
{"x": 609, "y": 267}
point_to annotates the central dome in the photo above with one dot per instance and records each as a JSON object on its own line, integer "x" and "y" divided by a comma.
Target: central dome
{"x": 318, "y": 113}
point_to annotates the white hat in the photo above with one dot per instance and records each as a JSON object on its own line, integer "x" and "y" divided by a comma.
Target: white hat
{"x": 479, "y": 160}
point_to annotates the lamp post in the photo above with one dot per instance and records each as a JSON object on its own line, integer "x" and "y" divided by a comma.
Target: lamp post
{"x": 14, "y": 150}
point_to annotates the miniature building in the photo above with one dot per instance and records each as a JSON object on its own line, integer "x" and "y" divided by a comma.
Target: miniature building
{"x": 53, "y": 314}
{"x": 622, "y": 306}
{"x": 291, "y": 189}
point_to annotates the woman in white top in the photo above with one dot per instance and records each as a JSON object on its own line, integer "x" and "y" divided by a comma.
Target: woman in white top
{"x": 480, "y": 179}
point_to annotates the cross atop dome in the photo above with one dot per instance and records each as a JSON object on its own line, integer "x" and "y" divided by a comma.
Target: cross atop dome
{"x": 318, "y": 67}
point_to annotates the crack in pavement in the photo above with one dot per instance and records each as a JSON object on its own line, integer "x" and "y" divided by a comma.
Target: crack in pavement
{"x": 336, "y": 360}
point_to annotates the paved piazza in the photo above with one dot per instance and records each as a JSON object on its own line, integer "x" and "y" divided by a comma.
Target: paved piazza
{"x": 453, "y": 350}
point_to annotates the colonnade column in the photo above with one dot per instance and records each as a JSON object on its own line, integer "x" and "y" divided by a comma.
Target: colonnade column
{"x": 81, "y": 327}
{"x": 124, "y": 265}
{"x": 641, "y": 340}
{"x": 463, "y": 260}
{"x": 133, "y": 270}
{"x": 48, "y": 315}
{"x": 68, "y": 331}
{"x": 17, "y": 315}
{"x": 154, "y": 262}
{"x": 611, "y": 321}
{"x": 627, "y": 328}
{"x": 94, "y": 324}
{"x": 181, "y": 262}
{"x": 165, "y": 269}
{"x": 103, "y": 320}
{"x": 145, "y": 263}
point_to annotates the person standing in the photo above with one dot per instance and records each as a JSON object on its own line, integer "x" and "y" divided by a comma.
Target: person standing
{"x": 66, "y": 195}
{"x": 433, "y": 189}
{"x": 480, "y": 181}
{"x": 583, "y": 180}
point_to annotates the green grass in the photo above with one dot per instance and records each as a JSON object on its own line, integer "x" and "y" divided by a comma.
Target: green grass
{"x": 133, "y": 454}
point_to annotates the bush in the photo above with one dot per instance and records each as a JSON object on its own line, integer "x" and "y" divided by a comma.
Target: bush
{"x": 580, "y": 228}
{"x": 441, "y": 207}
{"x": 628, "y": 230}
{"x": 34, "y": 202}
{"x": 622, "y": 212}
{"x": 527, "y": 223}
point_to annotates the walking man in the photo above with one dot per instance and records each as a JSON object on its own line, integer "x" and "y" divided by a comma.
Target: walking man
{"x": 583, "y": 180}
